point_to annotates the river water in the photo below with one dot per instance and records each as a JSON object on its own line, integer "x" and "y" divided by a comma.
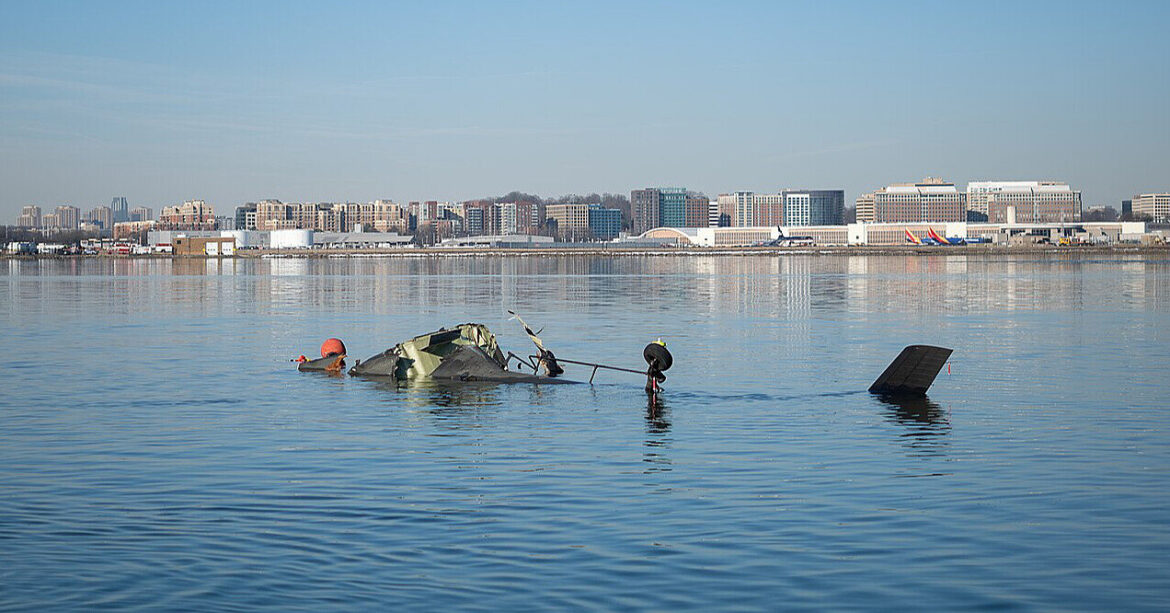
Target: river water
{"x": 158, "y": 451}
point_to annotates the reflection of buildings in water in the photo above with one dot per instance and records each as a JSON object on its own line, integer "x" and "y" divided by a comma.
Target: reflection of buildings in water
{"x": 923, "y": 283}
{"x": 703, "y": 265}
{"x": 287, "y": 266}
{"x": 191, "y": 267}
{"x": 750, "y": 285}
{"x": 796, "y": 287}
{"x": 955, "y": 265}
{"x": 218, "y": 266}
{"x": 926, "y": 423}
{"x": 769, "y": 285}
{"x": 1151, "y": 277}
{"x": 857, "y": 271}
{"x": 288, "y": 283}
{"x": 787, "y": 286}
{"x": 657, "y": 435}
{"x": 739, "y": 284}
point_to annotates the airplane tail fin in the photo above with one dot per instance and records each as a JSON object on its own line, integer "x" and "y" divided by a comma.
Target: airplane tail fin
{"x": 913, "y": 371}
{"x": 940, "y": 238}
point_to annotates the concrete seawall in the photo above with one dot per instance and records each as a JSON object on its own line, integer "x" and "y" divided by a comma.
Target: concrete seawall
{"x": 905, "y": 250}
{"x": 709, "y": 251}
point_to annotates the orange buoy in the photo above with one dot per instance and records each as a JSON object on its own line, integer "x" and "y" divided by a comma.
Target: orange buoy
{"x": 332, "y": 346}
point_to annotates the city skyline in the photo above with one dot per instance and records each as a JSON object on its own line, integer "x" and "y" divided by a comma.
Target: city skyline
{"x": 1042, "y": 201}
{"x": 456, "y": 101}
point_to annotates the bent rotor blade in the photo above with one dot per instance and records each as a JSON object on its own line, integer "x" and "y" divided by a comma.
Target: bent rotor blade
{"x": 527, "y": 330}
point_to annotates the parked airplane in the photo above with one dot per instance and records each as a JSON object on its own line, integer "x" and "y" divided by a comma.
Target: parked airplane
{"x": 942, "y": 240}
{"x": 933, "y": 239}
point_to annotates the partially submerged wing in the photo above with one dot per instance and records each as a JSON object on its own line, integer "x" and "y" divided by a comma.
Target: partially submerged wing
{"x": 913, "y": 371}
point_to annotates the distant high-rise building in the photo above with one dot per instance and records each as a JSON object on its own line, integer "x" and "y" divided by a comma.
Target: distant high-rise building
{"x": 645, "y": 209}
{"x": 30, "y": 217}
{"x": 527, "y": 217}
{"x": 788, "y": 207}
{"x": 474, "y": 217}
{"x": 376, "y": 216}
{"x": 713, "y": 214}
{"x": 509, "y": 217}
{"x": 452, "y": 210}
{"x": 655, "y": 207}
{"x": 672, "y": 206}
{"x": 432, "y": 212}
{"x": 68, "y": 217}
{"x": 242, "y": 217}
{"x": 102, "y": 217}
{"x": 482, "y": 217}
{"x": 813, "y": 207}
{"x": 580, "y": 220}
{"x": 1127, "y": 207}
{"x": 864, "y": 210}
{"x": 745, "y": 209}
{"x": 572, "y": 218}
{"x": 698, "y": 211}
{"x": 1032, "y": 201}
{"x": 271, "y": 215}
{"x": 191, "y": 215}
{"x": 769, "y": 209}
{"x": 329, "y": 218}
{"x": 604, "y": 224}
{"x": 726, "y": 207}
{"x": 388, "y": 216}
{"x": 1157, "y": 206}
{"x": 424, "y": 212}
{"x": 516, "y": 217}
{"x": 120, "y": 208}
{"x": 931, "y": 200}
{"x": 752, "y": 209}
{"x": 141, "y": 213}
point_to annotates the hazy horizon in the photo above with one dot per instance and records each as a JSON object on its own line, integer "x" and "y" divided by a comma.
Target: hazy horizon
{"x": 452, "y": 101}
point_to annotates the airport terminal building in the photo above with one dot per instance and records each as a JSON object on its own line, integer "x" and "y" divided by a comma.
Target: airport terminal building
{"x": 890, "y": 234}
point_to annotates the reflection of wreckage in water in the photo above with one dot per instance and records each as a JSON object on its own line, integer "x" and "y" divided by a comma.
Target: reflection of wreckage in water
{"x": 469, "y": 352}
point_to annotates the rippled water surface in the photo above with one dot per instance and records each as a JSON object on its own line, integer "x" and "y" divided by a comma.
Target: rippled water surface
{"x": 159, "y": 452}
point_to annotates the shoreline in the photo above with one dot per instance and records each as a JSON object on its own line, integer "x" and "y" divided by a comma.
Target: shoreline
{"x": 432, "y": 252}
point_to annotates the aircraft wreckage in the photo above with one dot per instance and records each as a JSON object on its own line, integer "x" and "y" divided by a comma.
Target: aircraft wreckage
{"x": 470, "y": 352}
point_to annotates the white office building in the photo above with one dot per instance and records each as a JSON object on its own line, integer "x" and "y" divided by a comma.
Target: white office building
{"x": 1157, "y": 206}
{"x": 1024, "y": 201}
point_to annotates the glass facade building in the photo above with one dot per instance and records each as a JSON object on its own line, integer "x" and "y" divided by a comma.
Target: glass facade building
{"x": 121, "y": 209}
{"x": 605, "y": 224}
{"x": 814, "y": 207}
{"x": 673, "y": 207}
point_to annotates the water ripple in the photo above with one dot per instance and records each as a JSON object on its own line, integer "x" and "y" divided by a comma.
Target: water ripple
{"x": 159, "y": 452}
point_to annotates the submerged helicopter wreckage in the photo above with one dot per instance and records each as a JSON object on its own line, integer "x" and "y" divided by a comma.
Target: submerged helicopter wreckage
{"x": 469, "y": 352}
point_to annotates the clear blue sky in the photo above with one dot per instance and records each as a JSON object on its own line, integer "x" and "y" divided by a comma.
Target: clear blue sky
{"x": 236, "y": 101}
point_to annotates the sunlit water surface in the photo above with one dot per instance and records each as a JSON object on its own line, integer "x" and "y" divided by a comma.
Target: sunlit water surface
{"x": 158, "y": 450}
